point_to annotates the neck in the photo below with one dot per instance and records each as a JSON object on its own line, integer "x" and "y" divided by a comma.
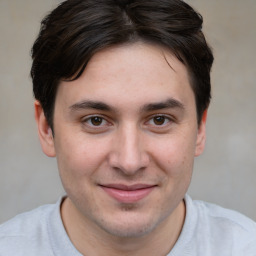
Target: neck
{"x": 89, "y": 239}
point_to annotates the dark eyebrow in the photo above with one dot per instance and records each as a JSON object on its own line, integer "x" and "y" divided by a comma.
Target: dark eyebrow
{"x": 98, "y": 105}
{"x": 169, "y": 103}
{"x": 87, "y": 104}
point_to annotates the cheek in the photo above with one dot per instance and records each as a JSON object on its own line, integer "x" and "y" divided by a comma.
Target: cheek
{"x": 80, "y": 156}
{"x": 175, "y": 155}
{"x": 177, "y": 164}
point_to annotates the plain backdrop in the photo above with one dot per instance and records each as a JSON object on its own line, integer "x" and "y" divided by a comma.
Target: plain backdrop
{"x": 225, "y": 174}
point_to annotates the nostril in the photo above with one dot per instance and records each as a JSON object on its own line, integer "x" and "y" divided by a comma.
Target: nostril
{"x": 128, "y": 153}
{"x": 128, "y": 165}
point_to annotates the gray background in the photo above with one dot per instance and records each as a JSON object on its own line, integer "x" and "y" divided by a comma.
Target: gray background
{"x": 225, "y": 174}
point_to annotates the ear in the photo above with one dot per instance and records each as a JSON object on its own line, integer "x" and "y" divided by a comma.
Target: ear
{"x": 44, "y": 131}
{"x": 201, "y": 135}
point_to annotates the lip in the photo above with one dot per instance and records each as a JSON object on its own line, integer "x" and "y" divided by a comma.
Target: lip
{"x": 128, "y": 193}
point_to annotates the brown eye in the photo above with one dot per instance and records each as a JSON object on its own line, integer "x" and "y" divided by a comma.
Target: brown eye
{"x": 159, "y": 120}
{"x": 96, "y": 120}
{"x": 96, "y": 124}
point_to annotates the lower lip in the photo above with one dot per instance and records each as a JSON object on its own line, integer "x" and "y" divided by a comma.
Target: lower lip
{"x": 128, "y": 196}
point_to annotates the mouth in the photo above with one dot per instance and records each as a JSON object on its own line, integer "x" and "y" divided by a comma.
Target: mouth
{"x": 128, "y": 194}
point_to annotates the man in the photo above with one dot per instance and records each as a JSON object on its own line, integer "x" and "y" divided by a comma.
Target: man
{"x": 122, "y": 90}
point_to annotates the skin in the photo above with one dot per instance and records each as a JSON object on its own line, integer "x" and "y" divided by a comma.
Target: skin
{"x": 129, "y": 120}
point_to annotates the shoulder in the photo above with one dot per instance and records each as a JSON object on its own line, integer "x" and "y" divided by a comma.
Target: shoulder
{"x": 226, "y": 228}
{"x": 225, "y": 217}
{"x": 26, "y": 231}
{"x": 22, "y": 222}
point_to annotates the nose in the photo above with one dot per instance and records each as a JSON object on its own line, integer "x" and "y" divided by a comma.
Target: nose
{"x": 129, "y": 154}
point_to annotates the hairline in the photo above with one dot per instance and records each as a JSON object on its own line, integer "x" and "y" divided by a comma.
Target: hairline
{"x": 135, "y": 40}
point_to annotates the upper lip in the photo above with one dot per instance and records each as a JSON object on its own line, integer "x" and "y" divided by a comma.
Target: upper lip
{"x": 128, "y": 187}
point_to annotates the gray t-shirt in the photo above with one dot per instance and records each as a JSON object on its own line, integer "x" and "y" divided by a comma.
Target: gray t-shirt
{"x": 208, "y": 230}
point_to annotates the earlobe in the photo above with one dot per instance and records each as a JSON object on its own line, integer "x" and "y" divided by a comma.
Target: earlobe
{"x": 201, "y": 135}
{"x": 44, "y": 131}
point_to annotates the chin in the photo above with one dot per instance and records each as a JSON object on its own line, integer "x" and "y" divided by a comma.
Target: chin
{"x": 129, "y": 231}
{"x": 130, "y": 226}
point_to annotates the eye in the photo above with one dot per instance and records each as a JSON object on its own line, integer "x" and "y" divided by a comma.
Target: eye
{"x": 95, "y": 121}
{"x": 159, "y": 120}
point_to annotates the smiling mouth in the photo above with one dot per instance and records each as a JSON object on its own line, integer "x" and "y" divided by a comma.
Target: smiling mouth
{"x": 128, "y": 194}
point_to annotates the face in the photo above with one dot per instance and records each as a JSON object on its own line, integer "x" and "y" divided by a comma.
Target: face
{"x": 125, "y": 137}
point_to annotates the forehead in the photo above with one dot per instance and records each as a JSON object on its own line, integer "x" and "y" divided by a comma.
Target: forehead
{"x": 127, "y": 73}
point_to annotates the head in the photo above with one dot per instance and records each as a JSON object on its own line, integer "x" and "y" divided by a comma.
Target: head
{"x": 76, "y": 30}
{"x": 124, "y": 85}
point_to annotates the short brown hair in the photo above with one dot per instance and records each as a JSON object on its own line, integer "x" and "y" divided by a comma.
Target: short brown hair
{"x": 73, "y": 32}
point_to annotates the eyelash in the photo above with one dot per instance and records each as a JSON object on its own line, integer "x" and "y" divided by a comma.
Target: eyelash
{"x": 167, "y": 119}
{"x": 89, "y": 119}
{"x": 105, "y": 123}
